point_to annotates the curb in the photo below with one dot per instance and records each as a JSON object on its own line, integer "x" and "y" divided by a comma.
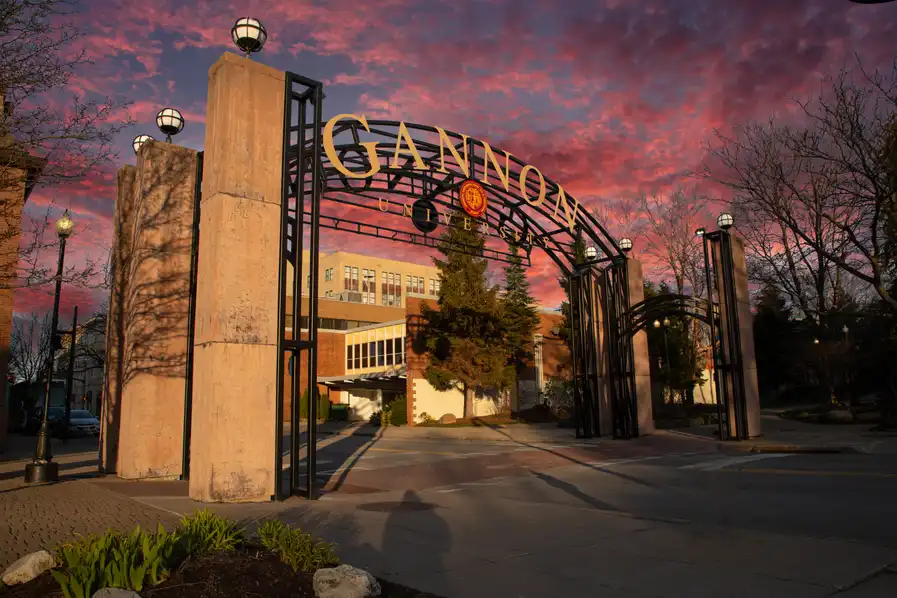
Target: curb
{"x": 375, "y": 433}
{"x": 798, "y": 449}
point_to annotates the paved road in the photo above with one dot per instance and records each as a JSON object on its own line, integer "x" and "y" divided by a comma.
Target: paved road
{"x": 658, "y": 517}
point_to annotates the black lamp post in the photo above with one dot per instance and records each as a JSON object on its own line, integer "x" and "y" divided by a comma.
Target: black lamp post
{"x": 42, "y": 468}
{"x": 666, "y": 347}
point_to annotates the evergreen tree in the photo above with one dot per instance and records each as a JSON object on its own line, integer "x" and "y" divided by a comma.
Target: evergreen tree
{"x": 775, "y": 342}
{"x": 520, "y": 313}
{"x": 465, "y": 335}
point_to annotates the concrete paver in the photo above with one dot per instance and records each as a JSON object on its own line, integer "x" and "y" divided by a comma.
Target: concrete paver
{"x": 43, "y": 516}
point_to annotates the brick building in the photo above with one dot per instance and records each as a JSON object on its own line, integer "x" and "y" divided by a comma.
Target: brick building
{"x": 368, "y": 349}
{"x": 18, "y": 173}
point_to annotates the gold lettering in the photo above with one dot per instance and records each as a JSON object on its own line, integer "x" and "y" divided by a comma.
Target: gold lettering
{"x": 516, "y": 236}
{"x": 446, "y": 141}
{"x": 370, "y": 146}
{"x": 529, "y": 237}
{"x": 428, "y": 214}
{"x": 503, "y": 232}
{"x": 523, "y": 174}
{"x": 484, "y": 228}
{"x": 383, "y": 204}
{"x": 446, "y": 217}
{"x": 406, "y": 210}
{"x": 487, "y": 156}
{"x": 571, "y": 218}
{"x": 466, "y": 223}
{"x": 412, "y": 149}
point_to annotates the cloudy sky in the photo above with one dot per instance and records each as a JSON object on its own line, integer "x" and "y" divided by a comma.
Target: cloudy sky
{"x": 612, "y": 98}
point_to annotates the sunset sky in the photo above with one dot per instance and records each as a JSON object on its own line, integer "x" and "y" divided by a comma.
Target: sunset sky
{"x": 612, "y": 98}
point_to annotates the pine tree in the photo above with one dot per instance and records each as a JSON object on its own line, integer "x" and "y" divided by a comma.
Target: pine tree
{"x": 521, "y": 315}
{"x": 465, "y": 333}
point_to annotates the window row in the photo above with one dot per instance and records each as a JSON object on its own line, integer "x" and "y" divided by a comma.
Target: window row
{"x": 415, "y": 284}
{"x": 328, "y": 323}
{"x": 375, "y": 354}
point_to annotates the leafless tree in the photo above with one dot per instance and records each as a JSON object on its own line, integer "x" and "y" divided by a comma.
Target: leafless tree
{"x": 815, "y": 195}
{"x": 667, "y": 233}
{"x": 29, "y": 347}
{"x": 43, "y": 142}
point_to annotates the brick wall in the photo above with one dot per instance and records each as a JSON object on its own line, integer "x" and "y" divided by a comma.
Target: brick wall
{"x": 331, "y": 362}
{"x": 12, "y": 201}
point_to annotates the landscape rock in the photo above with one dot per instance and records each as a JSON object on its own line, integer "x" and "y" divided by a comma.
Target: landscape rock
{"x": 115, "y": 593}
{"x": 28, "y": 567}
{"x": 345, "y": 581}
{"x": 448, "y": 418}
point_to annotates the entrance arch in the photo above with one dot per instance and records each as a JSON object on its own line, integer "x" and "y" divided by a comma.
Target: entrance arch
{"x": 237, "y": 215}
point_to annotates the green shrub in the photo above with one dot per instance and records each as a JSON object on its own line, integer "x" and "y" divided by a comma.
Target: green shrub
{"x": 115, "y": 561}
{"x": 323, "y": 406}
{"x": 204, "y": 532}
{"x": 426, "y": 418}
{"x": 398, "y": 413}
{"x": 299, "y": 550}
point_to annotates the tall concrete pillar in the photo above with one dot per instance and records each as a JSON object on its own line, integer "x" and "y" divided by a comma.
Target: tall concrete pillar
{"x": 641, "y": 362}
{"x": 120, "y": 264}
{"x": 156, "y": 299}
{"x": 235, "y": 360}
{"x": 746, "y": 336}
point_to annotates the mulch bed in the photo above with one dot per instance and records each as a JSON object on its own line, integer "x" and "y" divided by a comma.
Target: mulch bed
{"x": 239, "y": 574}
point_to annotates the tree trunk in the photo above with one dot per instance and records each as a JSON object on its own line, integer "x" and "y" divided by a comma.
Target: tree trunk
{"x": 468, "y": 402}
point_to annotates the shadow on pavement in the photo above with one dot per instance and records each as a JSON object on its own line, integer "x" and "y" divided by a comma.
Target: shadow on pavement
{"x": 411, "y": 543}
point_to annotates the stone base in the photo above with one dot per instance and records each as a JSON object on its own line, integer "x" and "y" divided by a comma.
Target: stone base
{"x": 232, "y": 442}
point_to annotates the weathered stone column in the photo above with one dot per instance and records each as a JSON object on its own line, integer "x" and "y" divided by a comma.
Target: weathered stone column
{"x": 641, "y": 362}
{"x": 235, "y": 360}
{"x": 120, "y": 265}
{"x": 157, "y": 289}
{"x": 746, "y": 334}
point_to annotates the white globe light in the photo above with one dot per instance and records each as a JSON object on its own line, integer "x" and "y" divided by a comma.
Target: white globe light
{"x": 139, "y": 141}
{"x": 170, "y": 121}
{"x": 626, "y": 244}
{"x": 725, "y": 220}
{"x": 249, "y": 35}
{"x": 591, "y": 253}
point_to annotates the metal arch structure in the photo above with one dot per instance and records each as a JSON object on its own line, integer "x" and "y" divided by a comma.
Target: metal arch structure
{"x": 642, "y": 314}
{"x": 318, "y": 193}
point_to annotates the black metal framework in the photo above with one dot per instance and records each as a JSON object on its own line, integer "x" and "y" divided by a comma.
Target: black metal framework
{"x": 309, "y": 178}
{"x": 191, "y": 321}
{"x": 725, "y": 335}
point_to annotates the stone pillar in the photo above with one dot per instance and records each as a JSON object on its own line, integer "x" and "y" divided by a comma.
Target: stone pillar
{"x": 235, "y": 360}
{"x": 123, "y": 230}
{"x": 641, "y": 362}
{"x": 157, "y": 289}
{"x": 746, "y": 334}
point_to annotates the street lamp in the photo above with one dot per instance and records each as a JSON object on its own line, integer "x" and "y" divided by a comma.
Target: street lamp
{"x": 626, "y": 244}
{"x": 700, "y": 232}
{"x": 591, "y": 253}
{"x": 249, "y": 35}
{"x": 725, "y": 220}
{"x": 666, "y": 346}
{"x": 42, "y": 468}
{"x": 815, "y": 341}
{"x": 170, "y": 122}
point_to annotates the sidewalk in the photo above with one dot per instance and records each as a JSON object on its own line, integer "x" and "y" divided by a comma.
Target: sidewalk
{"x": 537, "y": 433}
{"x": 788, "y": 436}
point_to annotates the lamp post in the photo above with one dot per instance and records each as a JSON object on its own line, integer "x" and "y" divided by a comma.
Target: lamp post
{"x": 42, "y": 468}
{"x": 591, "y": 252}
{"x": 666, "y": 346}
{"x": 249, "y": 35}
{"x": 626, "y": 244}
{"x": 170, "y": 121}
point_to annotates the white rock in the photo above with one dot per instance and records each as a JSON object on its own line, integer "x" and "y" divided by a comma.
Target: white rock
{"x": 28, "y": 567}
{"x": 115, "y": 593}
{"x": 345, "y": 581}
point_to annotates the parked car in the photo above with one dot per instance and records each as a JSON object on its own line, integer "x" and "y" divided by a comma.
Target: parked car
{"x": 55, "y": 416}
{"x": 83, "y": 423}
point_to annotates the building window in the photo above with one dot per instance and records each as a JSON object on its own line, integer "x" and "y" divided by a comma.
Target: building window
{"x": 349, "y": 356}
{"x": 391, "y": 293}
{"x": 357, "y": 357}
{"x": 434, "y": 286}
{"x": 381, "y": 358}
{"x": 390, "y": 358}
{"x": 415, "y": 284}
{"x": 364, "y": 355}
{"x": 368, "y": 286}
{"x": 347, "y": 278}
